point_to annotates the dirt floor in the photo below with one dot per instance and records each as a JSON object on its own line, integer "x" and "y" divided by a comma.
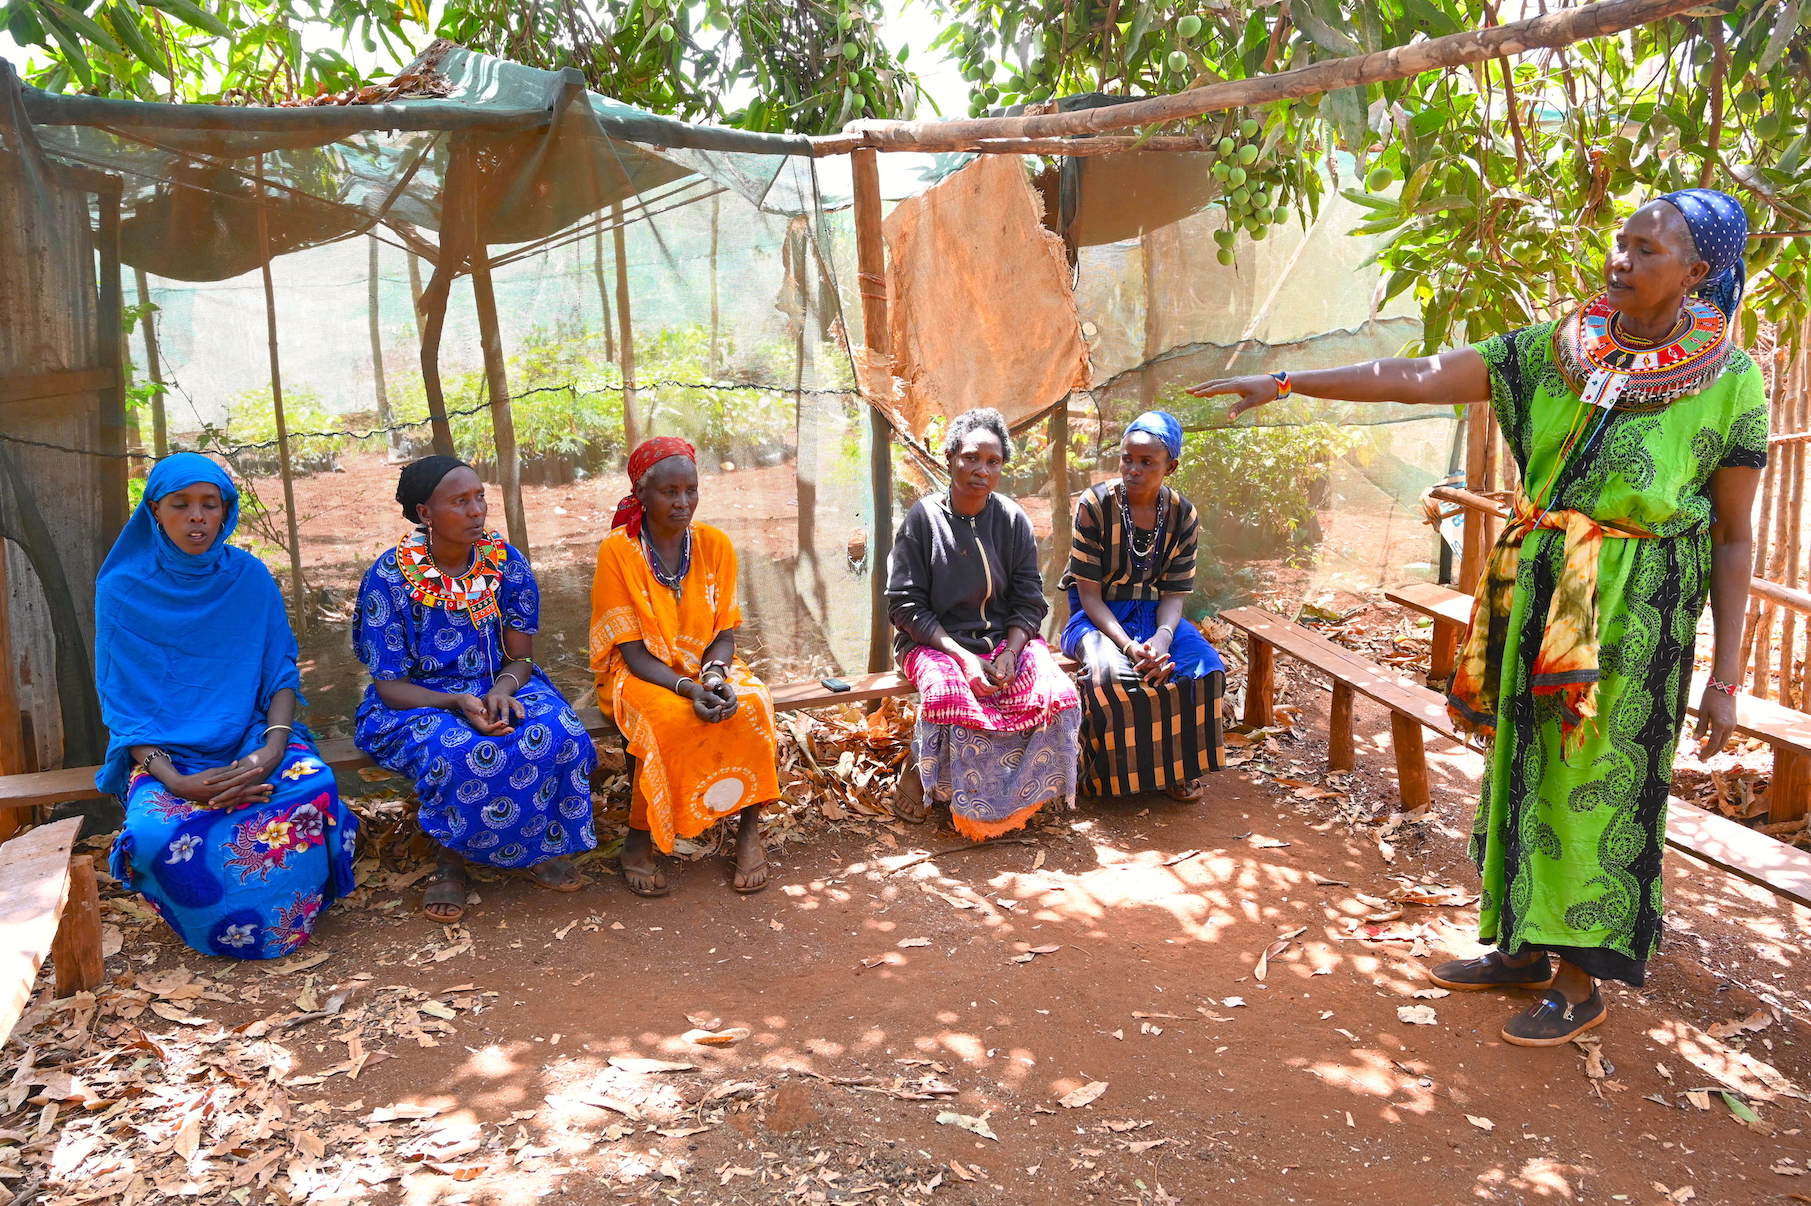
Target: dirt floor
{"x": 1155, "y": 1003}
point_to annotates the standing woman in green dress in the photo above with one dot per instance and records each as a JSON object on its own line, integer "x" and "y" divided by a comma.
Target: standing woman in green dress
{"x": 1640, "y": 430}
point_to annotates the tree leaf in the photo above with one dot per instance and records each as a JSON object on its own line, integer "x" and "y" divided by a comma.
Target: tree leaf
{"x": 83, "y": 25}
{"x": 1784, "y": 26}
{"x": 190, "y": 13}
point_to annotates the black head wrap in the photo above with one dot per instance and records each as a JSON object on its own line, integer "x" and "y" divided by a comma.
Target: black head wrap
{"x": 419, "y": 479}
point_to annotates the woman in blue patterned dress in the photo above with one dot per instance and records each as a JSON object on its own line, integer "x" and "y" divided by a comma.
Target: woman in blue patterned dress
{"x": 234, "y": 830}
{"x": 501, "y": 763}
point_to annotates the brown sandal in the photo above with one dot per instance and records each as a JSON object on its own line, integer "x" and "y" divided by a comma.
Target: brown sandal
{"x": 445, "y": 887}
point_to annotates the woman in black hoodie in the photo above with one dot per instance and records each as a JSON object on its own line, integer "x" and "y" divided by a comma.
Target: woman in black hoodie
{"x": 997, "y": 719}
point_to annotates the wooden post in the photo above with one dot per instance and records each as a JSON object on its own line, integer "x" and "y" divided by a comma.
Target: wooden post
{"x": 415, "y": 290}
{"x": 160, "y": 434}
{"x": 392, "y": 437}
{"x": 1061, "y": 520}
{"x": 871, "y": 264}
{"x": 77, "y": 946}
{"x": 112, "y": 396}
{"x": 14, "y": 756}
{"x": 1794, "y": 485}
{"x": 300, "y": 616}
{"x": 1476, "y": 546}
{"x": 1444, "y": 655}
{"x": 1787, "y": 795}
{"x": 603, "y": 295}
{"x": 502, "y": 421}
{"x": 625, "y": 331}
{"x": 716, "y": 360}
{"x": 1411, "y": 762}
{"x": 1259, "y": 675}
{"x": 1340, "y": 756}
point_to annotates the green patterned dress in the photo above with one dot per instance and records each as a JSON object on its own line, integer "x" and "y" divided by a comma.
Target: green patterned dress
{"x": 1569, "y": 849}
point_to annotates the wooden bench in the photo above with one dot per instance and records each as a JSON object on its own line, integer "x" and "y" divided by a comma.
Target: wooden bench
{"x": 77, "y": 783}
{"x": 1733, "y": 847}
{"x": 1787, "y": 731}
{"x": 48, "y": 905}
{"x": 1450, "y": 610}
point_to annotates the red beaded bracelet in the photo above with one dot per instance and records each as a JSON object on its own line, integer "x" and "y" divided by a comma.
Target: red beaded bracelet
{"x": 1717, "y": 684}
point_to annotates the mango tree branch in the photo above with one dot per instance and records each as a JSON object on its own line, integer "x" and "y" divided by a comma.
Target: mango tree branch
{"x": 1556, "y": 29}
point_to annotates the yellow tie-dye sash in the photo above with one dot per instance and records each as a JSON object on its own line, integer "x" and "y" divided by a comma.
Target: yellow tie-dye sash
{"x": 1567, "y": 663}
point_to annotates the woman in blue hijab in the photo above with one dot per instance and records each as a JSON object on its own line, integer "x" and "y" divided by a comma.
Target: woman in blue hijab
{"x": 1152, "y": 683}
{"x": 1639, "y": 430}
{"x": 234, "y": 830}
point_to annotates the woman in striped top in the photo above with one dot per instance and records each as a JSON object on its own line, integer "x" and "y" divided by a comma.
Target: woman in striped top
{"x": 1150, "y": 695}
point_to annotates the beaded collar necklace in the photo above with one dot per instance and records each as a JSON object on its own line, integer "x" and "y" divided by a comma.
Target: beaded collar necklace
{"x": 674, "y": 581}
{"x": 473, "y": 591}
{"x": 1612, "y": 369}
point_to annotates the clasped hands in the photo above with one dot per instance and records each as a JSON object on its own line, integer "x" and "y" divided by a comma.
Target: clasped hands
{"x": 990, "y": 676}
{"x": 1151, "y": 659}
{"x": 494, "y": 713}
{"x": 244, "y": 781}
{"x": 712, "y": 696}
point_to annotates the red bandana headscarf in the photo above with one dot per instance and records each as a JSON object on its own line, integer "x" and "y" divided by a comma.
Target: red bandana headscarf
{"x": 647, "y": 454}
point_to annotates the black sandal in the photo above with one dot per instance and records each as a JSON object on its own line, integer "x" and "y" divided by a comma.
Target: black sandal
{"x": 1491, "y": 970}
{"x": 1554, "y": 1021}
{"x": 445, "y": 887}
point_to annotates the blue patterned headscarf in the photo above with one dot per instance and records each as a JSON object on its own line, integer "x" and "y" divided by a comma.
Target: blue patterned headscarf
{"x": 1162, "y": 424}
{"x": 189, "y": 648}
{"x": 1719, "y": 229}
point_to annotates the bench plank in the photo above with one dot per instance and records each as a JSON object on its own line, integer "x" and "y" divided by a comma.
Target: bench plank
{"x": 1394, "y": 691}
{"x": 34, "y": 887}
{"x": 1782, "y": 869}
{"x": 77, "y": 783}
{"x": 1741, "y": 851}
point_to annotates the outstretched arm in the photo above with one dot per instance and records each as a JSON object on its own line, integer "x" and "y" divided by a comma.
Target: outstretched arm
{"x": 1451, "y": 377}
{"x": 1732, "y": 492}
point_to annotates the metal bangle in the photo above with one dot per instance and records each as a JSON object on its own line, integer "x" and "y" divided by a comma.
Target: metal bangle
{"x": 278, "y": 728}
{"x": 683, "y": 678}
{"x": 511, "y": 675}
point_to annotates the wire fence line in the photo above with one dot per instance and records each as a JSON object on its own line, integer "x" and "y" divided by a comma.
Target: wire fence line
{"x": 231, "y": 450}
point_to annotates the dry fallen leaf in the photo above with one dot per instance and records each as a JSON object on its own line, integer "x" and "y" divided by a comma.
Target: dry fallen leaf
{"x": 1075, "y": 1099}
{"x": 1760, "y": 1019}
{"x": 630, "y": 1063}
{"x": 968, "y": 1122}
{"x": 716, "y": 1038}
{"x": 1417, "y": 1015}
{"x": 1483, "y": 1124}
{"x": 905, "y": 943}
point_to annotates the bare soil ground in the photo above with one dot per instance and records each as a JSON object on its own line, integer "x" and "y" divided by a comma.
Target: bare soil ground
{"x": 889, "y": 999}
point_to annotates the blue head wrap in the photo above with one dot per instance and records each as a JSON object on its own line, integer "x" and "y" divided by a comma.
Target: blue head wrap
{"x": 188, "y": 648}
{"x": 1162, "y": 424}
{"x": 1719, "y": 229}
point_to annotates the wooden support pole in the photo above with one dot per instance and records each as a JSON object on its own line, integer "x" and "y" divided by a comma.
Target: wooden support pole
{"x": 1411, "y": 761}
{"x": 625, "y": 331}
{"x": 160, "y": 432}
{"x": 112, "y": 397}
{"x": 392, "y": 437}
{"x": 1260, "y": 674}
{"x": 77, "y": 946}
{"x": 15, "y": 759}
{"x": 1475, "y": 547}
{"x": 299, "y": 616}
{"x": 502, "y": 420}
{"x": 1340, "y": 754}
{"x": 1062, "y": 522}
{"x": 604, "y": 302}
{"x": 716, "y": 359}
{"x": 1790, "y": 790}
{"x": 877, "y": 336}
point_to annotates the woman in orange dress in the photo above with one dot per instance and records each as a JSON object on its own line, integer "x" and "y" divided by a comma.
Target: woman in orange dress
{"x": 700, "y": 727}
